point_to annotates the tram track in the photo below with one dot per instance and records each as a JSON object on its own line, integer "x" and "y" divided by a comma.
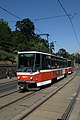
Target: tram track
{"x": 3, "y": 105}
{"x": 35, "y": 101}
{"x": 4, "y": 95}
{"x": 34, "y": 107}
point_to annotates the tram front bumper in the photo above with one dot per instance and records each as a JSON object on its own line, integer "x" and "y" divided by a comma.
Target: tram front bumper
{"x": 25, "y": 82}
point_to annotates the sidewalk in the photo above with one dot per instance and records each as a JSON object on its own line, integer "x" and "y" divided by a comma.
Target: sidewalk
{"x": 75, "y": 115}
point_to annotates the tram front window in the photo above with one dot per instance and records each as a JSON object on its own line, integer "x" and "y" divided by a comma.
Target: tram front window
{"x": 26, "y": 62}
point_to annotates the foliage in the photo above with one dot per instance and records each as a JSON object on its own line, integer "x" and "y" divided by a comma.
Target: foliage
{"x": 77, "y": 58}
{"x": 62, "y": 52}
{"x": 5, "y": 36}
{"x": 6, "y": 56}
{"x": 19, "y": 41}
{"x": 26, "y": 26}
{"x": 25, "y": 39}
{"x": 22, "y": 39}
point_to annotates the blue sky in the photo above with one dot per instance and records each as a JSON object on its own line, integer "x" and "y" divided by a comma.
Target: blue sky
{"x": 58, "y": 28}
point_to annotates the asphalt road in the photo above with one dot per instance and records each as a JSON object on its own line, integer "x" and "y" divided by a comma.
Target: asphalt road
{"x": 8, "y": 86}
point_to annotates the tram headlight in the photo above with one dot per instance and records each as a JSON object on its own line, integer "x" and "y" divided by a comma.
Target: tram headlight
{"x": 31, "y": 78}
{"x": 18, "y": 77}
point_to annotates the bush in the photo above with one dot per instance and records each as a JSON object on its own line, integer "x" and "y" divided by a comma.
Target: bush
{"x": 6, "y": 56}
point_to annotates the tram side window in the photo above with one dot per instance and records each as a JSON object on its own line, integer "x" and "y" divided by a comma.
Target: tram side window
{"x": 61, "y": 64}
{"x": 43, "y": 62}
{"x": 69, "y": 63}
{"x": 53, "y": 64}
{"x": 65, "y": 64}
{"x": 46, "y": 63}
{"x": 58, "y": 64}
{"x": 37, "y": 63}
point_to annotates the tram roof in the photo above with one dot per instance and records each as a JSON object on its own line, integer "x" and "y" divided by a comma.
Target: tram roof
{"x": 34, "y": 52}
{"x": 23, "y": 52}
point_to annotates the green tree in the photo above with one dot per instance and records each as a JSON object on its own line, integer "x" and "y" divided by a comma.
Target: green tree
{"x": 72, "y": 57}
{"x": 38, "y": 44}
{"x": 26, "y": 39}
{"x": 5, "y": 36}
{"x": 26, "y": 26}
{"x": 19, "y": 41}
{"x": 77, "y": 58}
{"x": 42, "y": 45}
{"x": 62, "y": 52}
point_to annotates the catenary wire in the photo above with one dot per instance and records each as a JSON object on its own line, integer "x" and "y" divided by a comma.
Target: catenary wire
{"x": 34, "y": 19}
{"x": 10, "y": 12}
{"x": 51, "y": 17}
{"x": 70, "y": 22}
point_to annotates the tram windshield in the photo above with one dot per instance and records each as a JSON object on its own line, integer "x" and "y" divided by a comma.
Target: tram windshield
{"x": 26, "y": 62}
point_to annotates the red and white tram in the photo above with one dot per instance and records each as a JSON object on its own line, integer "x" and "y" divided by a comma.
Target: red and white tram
{"x": 38, "y": 69}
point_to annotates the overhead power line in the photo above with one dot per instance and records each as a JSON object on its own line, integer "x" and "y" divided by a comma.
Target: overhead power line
{"x": 15, "y": 16}
{"x": 70, "y": 22}
{"x": 10, "y": 12}
{"x": 39, "y": 30}
{"x": 35, "y": 19}
{"x": 49, "y": 17}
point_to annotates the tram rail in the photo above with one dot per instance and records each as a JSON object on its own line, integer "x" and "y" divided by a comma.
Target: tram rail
{"x": 43, "y": 96}
{"x": 4, "y": 95}
{"x": 15, "y": 100}
{"x": 28, "y": 112}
